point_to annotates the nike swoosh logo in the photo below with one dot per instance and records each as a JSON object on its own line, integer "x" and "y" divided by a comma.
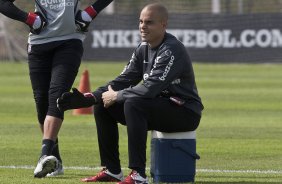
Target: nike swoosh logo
{"x": 44, "y": 145}
{"x": 82, "y": 23}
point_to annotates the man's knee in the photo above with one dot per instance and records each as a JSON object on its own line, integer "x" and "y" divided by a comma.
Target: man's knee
{"x": 55, "y": 112}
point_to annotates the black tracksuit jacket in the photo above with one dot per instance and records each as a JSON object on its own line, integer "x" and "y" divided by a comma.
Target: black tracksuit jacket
{"x": 164, "y": 71}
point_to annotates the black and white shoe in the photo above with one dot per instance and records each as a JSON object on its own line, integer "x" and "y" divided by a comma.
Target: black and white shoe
{"x": 58, "y": 171}
{"x": 45, "y": 165}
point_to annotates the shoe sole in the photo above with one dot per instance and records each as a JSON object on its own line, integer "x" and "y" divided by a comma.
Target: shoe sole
{"x": 48, "y": 167}
{"x": 54, "y": 175}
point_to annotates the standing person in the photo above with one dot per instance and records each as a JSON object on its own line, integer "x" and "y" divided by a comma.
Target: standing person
{"x": 167, "y": 100}
{"x": 54, "y": 56}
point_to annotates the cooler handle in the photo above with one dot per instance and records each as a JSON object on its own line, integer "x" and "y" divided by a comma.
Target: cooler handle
{"x": 183, "y": 147}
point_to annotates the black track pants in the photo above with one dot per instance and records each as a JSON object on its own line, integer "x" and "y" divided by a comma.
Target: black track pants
{"x": 139, "y": 115}
{"x": 53, "y": 67}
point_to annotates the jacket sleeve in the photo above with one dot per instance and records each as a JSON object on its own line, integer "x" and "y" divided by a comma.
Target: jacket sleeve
{"x": 99, "y": 5}
{"x": 8, "y": 9}
{"x": 166, "y": 68}
{"x": 130, "y": 76}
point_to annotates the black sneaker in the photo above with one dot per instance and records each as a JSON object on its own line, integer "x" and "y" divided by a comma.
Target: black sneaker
{"x": 45, "y": 165}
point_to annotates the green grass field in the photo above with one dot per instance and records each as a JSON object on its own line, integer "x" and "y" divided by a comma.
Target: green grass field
{"x": 239, "y": 138}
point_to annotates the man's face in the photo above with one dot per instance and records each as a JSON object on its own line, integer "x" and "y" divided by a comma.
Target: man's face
{"x": 151, "y": 27}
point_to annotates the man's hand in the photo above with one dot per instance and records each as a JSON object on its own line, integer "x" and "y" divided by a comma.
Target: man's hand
{"x": 109, "y": 97}
{"x": 75, "y": 100}
{"x": 36, "y": 22}
{"x": 84, "y": 18}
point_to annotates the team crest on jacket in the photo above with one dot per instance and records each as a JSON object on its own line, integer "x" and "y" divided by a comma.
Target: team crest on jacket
{"x": 145, "y": 76}
{"x": 168, "y": 52}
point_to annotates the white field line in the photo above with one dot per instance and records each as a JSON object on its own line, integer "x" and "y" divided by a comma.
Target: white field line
{"x": 198, "y": 170}
{"x": 240, "y": 171}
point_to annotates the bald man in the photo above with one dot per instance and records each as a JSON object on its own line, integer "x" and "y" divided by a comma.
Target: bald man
{"x": 155, "y": 91}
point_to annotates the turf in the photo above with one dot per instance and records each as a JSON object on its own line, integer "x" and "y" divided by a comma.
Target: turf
{"x": 239, "y": 138}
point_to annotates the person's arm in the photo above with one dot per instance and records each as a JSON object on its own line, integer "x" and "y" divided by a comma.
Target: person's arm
{"x": 83, "y": 18}
{"x": 8, "y": 9}
{"x": 130, "y": 76}
{"x": 99, "y": 5}
{"x": 34, "y": 20}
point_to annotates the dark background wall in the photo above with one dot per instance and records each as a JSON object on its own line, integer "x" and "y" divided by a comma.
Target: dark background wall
{"x": 207, "y": 37}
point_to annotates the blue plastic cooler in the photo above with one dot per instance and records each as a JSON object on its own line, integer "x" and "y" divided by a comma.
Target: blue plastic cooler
{"x": 173, "y": 157}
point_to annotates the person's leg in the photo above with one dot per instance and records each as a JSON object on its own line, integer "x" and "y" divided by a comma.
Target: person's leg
{"x": 168, "y": 117}
{"x": 108, "y": 137}
{"x": 40, "y": 62}
{"x": 65, "y": 63}
{"x": 137, "y": 125}
{"x": 56, "y": 151}
{"x": 153, "y": 114}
